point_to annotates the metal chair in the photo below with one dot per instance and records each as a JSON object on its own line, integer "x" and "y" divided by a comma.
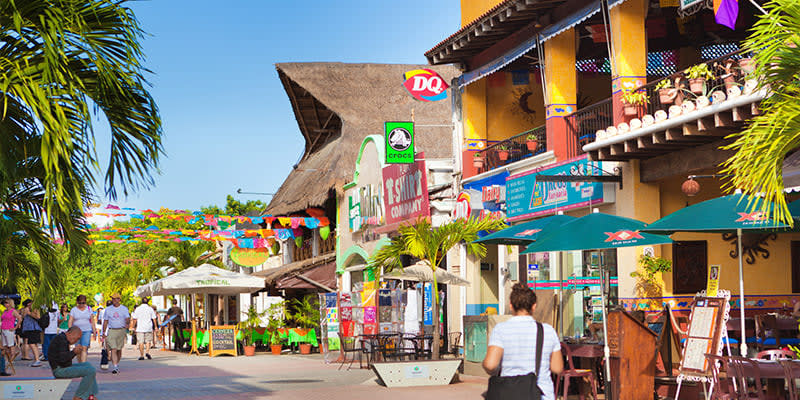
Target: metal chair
{"x": 348, "y": 345}
{"x": 723, "y": 388}
{"x": 452, "y": 344}
{"x": 776, "y": 354}
{"x": 741, "y": 369}
{"x": 573, "y": 372}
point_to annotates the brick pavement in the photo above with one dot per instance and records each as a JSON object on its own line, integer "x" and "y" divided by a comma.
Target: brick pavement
{"x": 173, "y": 375}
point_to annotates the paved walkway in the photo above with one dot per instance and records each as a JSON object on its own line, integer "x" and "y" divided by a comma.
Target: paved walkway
{"x": 171, "y": 375}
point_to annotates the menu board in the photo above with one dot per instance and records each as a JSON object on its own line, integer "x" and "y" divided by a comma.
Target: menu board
{"x": 706, "y": 322}
{"x": 222, "y": 340}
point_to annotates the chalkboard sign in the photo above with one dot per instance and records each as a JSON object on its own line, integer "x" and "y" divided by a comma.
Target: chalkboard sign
{"x": 222, "y": 340}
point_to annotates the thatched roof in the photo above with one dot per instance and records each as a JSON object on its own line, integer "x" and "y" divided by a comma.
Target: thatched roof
{"x": 336, "y": 106}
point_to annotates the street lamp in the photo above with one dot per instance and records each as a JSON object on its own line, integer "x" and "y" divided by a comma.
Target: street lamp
{"x": 239, "y": 191}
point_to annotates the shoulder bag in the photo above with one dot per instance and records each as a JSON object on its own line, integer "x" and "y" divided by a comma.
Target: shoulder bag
{"x": 519, "y": 387}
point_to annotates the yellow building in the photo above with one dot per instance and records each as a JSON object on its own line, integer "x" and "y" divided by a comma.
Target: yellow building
{"x": 570, "y": 88}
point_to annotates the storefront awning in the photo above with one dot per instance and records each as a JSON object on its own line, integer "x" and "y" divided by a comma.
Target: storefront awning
{"x": 574, "y": 19}
{"x": 320, "y": 277}
{"x": 498, "y": 63}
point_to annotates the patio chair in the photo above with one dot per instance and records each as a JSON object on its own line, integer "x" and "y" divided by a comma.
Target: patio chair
{"x": 723, "y": 387}
{"x": 776, "y": 354}
{"x": 452, "y": 344}
{"x": 348, "y": 344}
{"x": 741, "y": 369}
{"x": 573, "y": 372}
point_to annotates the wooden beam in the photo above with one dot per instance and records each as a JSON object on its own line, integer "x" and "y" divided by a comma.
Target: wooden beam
{"x": 648, "y": 143}
{"x": 723, "y": 120}
{"x": 755, "y": 109}
{"x": 684, "y": 162}
{"x": 617, "y": 149}
{"x": 741, "y": 113}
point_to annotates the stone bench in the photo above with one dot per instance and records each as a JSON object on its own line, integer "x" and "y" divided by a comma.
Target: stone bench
{"x": 45, "y": 388}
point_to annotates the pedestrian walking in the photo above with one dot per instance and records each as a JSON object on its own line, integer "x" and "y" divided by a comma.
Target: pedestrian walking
{"x": 510, "y": 347}
{"x": 104, "y": 342}
{"x": 144, "y": 321}
{"x": 177, "y": 332}
{"x": 63, "y": 318}
{"x": 82, "y": 317}
{"x": 60, "y": 358}
{"x": 22, "y": 342}
{"x": 8, "y": 323}
{"x": 116, "y": 320}
{"x": 50, "y": 331}
{"x": 31, "y": 331}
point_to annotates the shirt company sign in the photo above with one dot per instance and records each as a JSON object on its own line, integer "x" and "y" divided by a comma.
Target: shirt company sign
{"x": 406, "y": 191}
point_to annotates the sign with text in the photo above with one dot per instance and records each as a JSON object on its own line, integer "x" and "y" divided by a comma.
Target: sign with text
{"x": 425, "y": 85}
{"x": 713, "y": 281}
{"x": 526, "y": 197}
{"x": 406, "y": 191}
{"x": 222, "y": 340}
{"x": 399, "y": 142}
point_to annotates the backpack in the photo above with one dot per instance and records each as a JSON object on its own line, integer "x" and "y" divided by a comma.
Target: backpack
{"x": 44, "y": 320}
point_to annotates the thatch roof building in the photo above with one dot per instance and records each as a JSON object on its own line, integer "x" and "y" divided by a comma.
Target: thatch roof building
{"x": 336, "y": 105}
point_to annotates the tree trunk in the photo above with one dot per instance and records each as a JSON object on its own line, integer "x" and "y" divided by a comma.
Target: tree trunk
{"x": 436, "y": 335}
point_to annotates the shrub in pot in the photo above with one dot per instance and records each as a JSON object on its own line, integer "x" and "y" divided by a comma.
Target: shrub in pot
{"x": 697, "y": 76}
{"x": 502, "y": 152}
{"x": 477, "y": 160}
{"x": 633, "y": 101}
{"x": 531, "y": 142}
{"x": 667, "y": 93}
{"x": 252, "y": 320}
{"x": 306, "y": 316}
{"x": 277, "y": 316}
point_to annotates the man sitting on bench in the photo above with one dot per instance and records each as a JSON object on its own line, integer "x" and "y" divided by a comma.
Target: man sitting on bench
{"x": 60, "y": 357}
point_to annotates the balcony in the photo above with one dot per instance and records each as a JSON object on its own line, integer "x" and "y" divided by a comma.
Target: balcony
{"x": 583, "y": 124}
{"x": 685, "y": 114}
{"x": 305, "y": 252}
{"x": 521, "y": 146}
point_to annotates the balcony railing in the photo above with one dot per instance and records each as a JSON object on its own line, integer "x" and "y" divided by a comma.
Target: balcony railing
{"x": 515, "y": 148}
{"x": 305, "y": 252}
{"x": 582, "y": 125}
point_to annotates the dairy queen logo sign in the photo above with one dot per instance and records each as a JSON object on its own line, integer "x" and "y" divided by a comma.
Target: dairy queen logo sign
{"x": 425, "y": 85}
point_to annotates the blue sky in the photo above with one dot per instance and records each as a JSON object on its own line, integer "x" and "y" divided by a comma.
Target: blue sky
{"x": 228, "y": 123}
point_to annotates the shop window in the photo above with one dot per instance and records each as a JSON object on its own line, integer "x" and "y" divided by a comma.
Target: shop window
{"x": 689, "y": 266}
{"x": 795, "y": 266}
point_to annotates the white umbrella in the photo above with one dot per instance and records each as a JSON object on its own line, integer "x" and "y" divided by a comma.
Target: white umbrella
{"x": 206, "y": 279}
{"x": 421, "y": 272}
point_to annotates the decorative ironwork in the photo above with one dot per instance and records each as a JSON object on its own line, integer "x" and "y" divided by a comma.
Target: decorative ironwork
{"x": 753, "y": 245}
{"x": 514, "y": 149}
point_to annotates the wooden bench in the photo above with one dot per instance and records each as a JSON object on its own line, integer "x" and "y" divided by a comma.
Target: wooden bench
{"x": 45, "y": 388}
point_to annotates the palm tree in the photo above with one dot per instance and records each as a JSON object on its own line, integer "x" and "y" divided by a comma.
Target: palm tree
{"x": 431, "y": 245}
{"x": 761, "y": 147}
{"x": 64, "y": 62}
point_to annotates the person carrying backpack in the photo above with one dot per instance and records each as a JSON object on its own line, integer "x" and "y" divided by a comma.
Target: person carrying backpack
{"x": 32, "y": 331}
{"x": 49, "y": 323}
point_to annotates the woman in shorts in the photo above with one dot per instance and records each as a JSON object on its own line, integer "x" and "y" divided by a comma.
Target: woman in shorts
{"x": 31, "y": 331}
{"x": 8, "y": 322}
{"x": 82, "y": 316}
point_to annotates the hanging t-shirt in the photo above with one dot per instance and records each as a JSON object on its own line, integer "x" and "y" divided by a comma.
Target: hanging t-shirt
{"x": 116, "y": 316}
{"x": 144, "y": 316}
{"x": 82, "y": 318}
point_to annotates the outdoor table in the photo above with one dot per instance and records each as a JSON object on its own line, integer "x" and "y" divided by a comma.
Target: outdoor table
{"x": 774, "y": 373}
{"x": 297, "y": 335}
{"x": 369, "y": 346}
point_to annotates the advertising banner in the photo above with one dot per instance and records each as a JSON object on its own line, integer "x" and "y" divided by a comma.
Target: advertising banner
{"x": 526, "y": 198}
{"x": 405, "y": 189}
{"x": 399, "y": 142}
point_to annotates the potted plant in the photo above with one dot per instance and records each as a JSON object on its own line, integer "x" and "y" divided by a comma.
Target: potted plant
{"x": 648, "y": 284}
{"x": 666, "y": 92}
{"x": 477, "y": 160}
{"x": 276, "y": 314}
{"x": 747, "y": 65}
{"x": 502, "y": 152}
{"x": 306, "y": 315}
{"x": 697, "y": 76}
{"x": 633, "y": 101}
{"x": 252, "y": 320}
{"x": 532, "y": 142}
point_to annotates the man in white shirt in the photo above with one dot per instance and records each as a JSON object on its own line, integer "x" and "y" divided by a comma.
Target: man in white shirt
{"x": 116, "y": 319}
{"x": 144, "y": 319}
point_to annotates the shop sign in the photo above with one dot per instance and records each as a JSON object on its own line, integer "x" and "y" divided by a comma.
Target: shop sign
{"x": 399, "y": 142}
{"x": 365, "y": 207}
{"x": 467, "y": 202}
{"x": 427, "y": 304}
{"x": 425, "y": 85}
{"x": 492, "y": 196}
{"x": 525, "y": 197}
{"x": 688, "y": 3}
{"x": 713, "y": 281}
{"x": 406, "y": 191}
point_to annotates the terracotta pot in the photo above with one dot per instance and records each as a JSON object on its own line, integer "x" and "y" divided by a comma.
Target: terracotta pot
{"x": 249, "y": 350}
{"x": 276, "y": 349}
{"x": 666, "y": 96}
{"x": 477, "y": 162}
{"x": 532, "y": 145}
{"x": 730, "y": 81}
{"x": 747, "y": 65}
{"x": 305, "y": 348}
{"x": 696, "y": 85}
{"x": 502, "y": 155}
{"x": 630, "y": 110}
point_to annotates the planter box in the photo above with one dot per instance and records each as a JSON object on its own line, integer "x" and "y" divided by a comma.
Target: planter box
{"x": 416, "y": 373}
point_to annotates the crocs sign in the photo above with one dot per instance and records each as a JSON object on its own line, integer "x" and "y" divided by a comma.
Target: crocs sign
{"x": 425, "y": 85}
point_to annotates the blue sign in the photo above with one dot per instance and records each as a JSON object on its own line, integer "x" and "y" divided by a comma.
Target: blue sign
{"x": 427, "y": 304}
{"x": 526, "y": 198}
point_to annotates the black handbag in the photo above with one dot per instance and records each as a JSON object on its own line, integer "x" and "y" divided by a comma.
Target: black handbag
{"x": 519, "y": 387}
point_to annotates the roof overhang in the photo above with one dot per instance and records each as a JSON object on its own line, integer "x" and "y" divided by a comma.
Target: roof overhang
{"x": 500, "y": 22}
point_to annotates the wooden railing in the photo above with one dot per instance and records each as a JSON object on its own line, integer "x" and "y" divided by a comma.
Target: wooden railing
{"x": 306, "y": 251}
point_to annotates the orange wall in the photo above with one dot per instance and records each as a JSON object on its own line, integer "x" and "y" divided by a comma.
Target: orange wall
{"x": 472, "y": 9}
{"x": 504, "y": 116}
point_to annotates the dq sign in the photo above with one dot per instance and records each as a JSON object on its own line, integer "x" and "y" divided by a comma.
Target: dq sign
{"x": 425, "y": 85}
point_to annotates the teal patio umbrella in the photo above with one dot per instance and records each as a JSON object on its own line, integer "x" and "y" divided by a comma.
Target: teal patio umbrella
{"x": 597, "y": 231}
{"x": 525, "y": 233}
{"x": 732, "y": 213}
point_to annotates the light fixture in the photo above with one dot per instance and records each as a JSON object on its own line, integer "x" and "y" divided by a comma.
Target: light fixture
{"x": 239, "y": 191}
{"x": 690, "y": 187}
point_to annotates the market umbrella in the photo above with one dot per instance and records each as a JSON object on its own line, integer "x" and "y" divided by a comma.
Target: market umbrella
{"x": 421, "y": 272}
{"x": 597, "y": 231}
{"x": 525, "y": 233}
{"x": 732, "y": 213}
{"x": 207, "y": 279}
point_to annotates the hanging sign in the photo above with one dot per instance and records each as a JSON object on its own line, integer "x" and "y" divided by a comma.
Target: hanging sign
{"x": 713, "y": 281}
{"x": 399, "y": 142}
{"x": 425, "y": 85}
{"x": 406, "y": 191}
{"x": 249, "y": 257}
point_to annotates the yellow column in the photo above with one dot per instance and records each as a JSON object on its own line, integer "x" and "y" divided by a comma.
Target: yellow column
{"x": 559, "y": 67}
{"x": 474, "y": 108}
{"x": 630, "y": 45}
